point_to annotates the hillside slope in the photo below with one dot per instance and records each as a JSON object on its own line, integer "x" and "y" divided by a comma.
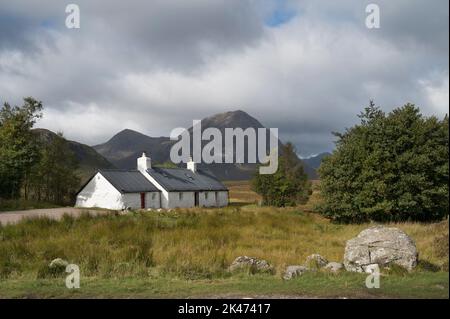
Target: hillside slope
{"x": 88, "y": 158}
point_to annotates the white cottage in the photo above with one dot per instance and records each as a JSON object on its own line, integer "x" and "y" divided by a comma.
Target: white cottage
{"x": 119, "y": 189}
{"x": 153, "y": 187}
{"x": 185, "y": 187}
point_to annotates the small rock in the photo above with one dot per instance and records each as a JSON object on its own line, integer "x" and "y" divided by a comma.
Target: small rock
{"x": 316, "y": 261}
{"x": 294, "y": 271}
{"x": 334, "y": 266}
{"x": 58, "y": 263}
{"x": 251, "y": 263}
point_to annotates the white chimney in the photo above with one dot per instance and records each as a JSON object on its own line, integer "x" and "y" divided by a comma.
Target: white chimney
{"x": 144, "y": 163}
{"x": 191, "y": 165}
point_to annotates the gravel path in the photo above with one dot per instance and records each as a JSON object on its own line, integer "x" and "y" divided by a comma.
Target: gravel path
{"x": 54, "y": 213}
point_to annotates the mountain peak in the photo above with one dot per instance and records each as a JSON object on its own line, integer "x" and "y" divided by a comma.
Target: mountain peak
{"x": 238, "y": 113}
{"x": 231, "y": 119}
{"x": 128, "y": 131}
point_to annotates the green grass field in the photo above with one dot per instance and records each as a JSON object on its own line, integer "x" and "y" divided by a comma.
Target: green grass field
{"x": 186, "y": 253}
{"x": 22, "y": 204}
{"x": 311, "y": 285}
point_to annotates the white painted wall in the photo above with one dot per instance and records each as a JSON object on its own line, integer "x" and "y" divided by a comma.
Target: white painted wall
{"x": 100, "y": 193}
{"x": 133, "y": 200}
{"x": 153, "y": 200}
{"x": 164, "y": 201}
{"x": 222, "y": 198}
{"x": 207, "y": 199}
{"x": 213, "y": 198}
{"x": 171, "y": 199}
{"x": 187, "y": 199}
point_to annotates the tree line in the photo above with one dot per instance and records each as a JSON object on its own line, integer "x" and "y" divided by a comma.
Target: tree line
{"x": 389, "y": 167}
{"x": 31, "y": 166}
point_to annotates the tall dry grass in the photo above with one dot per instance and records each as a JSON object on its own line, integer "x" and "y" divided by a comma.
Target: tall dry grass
{"x": 193, "y": 243}
{"x": 188, "y": 243}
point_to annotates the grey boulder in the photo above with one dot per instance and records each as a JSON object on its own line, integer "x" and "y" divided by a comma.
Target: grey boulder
{"x": 382, "y": 246}
{"x": 316, "y": 261}
{"x": 253, "y": 264}
{"x": 334, "y": 266}
{"x": 294, "y": 271}
{"x": 58, "y": 263}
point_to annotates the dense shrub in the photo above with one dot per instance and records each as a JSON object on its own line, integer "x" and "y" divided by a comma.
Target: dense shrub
{"x": 288, "y": 186}
{"x": 390, "y": 167}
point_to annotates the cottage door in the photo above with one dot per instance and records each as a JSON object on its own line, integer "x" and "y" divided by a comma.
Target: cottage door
{"x": 196, "y": 199}
{"x": 142, "y": 200}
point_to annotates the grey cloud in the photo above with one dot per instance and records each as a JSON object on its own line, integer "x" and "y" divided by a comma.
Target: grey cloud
{"x": 174, "y": 34}
{"x": 153, "y": 66}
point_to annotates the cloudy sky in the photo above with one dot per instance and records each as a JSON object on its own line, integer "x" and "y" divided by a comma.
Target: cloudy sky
{"x": 306, "y": 67}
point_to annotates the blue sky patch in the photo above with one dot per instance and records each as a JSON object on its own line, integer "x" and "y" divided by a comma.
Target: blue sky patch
{"x": 280, "y": 15}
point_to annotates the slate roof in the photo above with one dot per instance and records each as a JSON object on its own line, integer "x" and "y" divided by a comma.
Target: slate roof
{"x": 128, "y": 181}
{"x": 182, "y": 179}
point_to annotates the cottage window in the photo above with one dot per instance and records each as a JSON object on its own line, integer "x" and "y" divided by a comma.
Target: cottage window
{"x": 206, "y": 195}
{"x": 153, "y": 196}
{"x": 180, "y": 196}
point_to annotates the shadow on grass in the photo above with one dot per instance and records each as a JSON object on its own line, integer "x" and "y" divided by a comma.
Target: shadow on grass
{"x": 427, "y": 266}
{"x": 240, "y": 204}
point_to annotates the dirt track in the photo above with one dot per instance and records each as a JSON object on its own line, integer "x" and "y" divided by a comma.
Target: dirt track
{"x": 54, "y": 213}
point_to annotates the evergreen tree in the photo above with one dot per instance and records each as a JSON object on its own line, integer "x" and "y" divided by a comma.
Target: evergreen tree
{"x": 390, "y": 167}
{"x": 288, "y": 186}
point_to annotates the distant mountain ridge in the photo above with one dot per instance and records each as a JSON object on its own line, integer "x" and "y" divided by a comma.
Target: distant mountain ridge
{"x": 315, "y": 161}
{"x": 123, "y": 148}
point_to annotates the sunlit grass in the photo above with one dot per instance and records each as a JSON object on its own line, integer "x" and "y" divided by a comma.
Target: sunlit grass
{"x": 197, "y": 244}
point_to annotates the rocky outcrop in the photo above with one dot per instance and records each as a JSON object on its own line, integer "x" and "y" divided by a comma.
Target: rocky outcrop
{"x": 382, "y": 246}
{"x": 316, "y": 261}
{"x": 252, "y": 264}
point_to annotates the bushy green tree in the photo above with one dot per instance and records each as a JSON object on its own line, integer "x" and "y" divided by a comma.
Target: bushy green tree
{"x": 54, "y": 178}
{"x": 390, "y": 167}
{"x": 18, "y": 151}
{"x": 288, "y": 186}
{"x": 29, "y": 167}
